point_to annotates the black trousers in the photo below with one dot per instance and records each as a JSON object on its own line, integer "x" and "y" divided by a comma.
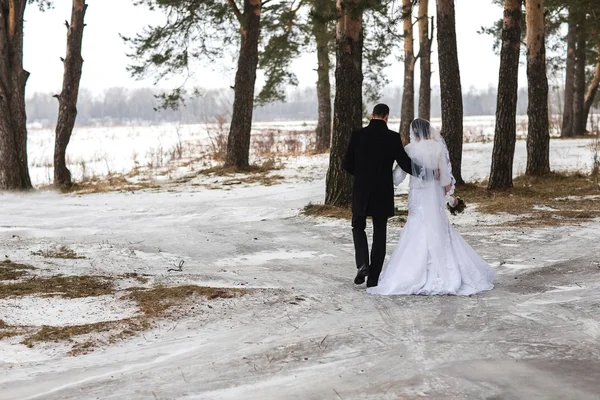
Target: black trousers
{"x": 361, "y": 246}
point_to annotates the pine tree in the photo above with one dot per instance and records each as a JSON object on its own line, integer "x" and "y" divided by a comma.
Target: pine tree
{"x": 567, "y": 123}
{"x": 408, "y": 95}
{"x": 348, "y": 98}
{"x": 538, "y": 137}
{"x": 201, "y": 30}
{"x": 67, "y": 100}
{"x": 506, "y": 105}
{"x": 450, "y": 86}
{"x": 425, "y": 60}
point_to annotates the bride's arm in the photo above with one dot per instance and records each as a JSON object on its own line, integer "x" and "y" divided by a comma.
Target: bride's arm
{"x": 399, "y": 175}
{"x": 445, "y": 173}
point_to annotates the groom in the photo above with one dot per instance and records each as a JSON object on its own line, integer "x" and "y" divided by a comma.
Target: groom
{"x": 370, "y": 157}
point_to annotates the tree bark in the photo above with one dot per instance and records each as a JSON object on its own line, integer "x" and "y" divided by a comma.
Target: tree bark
{"x": 538, "y": 136}
{"x": 450, "y": 86}
{"x": 322, "y": 38}
{"x": 425, "y": 60}
{"x": 407, "y": 113}
{"x": 592, "y": 90}
{"x": 238, "y": 141}
{"x": 567, "y": 122}
{"x": 14, "y": 171}
{"x": 67, "y": 100}
{"x": 506, "y": 108}
{"x": 580, "y": 63}
{"x": 348, "y": 99}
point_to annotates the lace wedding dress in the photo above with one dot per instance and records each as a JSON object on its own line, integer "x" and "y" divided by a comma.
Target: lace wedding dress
{"x": 431, "y": 257}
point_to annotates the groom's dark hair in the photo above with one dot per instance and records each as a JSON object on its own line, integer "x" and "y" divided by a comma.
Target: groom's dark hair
{"x": 381, "y": 110}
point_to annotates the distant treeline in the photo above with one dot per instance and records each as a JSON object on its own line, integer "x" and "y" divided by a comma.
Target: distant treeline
{"x": 124, "y": 106}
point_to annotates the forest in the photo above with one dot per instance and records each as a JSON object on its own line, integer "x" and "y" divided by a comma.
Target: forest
{"x": 350, "y": 39}
{"x": 169, "y": 236}
{"x": 122, "y": 106}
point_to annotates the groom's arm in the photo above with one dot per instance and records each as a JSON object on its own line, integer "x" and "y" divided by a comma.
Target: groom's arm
{"x": 404, "y": 160}
{"x": 348, "y": 163}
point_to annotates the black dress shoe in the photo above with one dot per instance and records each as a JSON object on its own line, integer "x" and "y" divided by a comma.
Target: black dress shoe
{"x": 371, "y": 284}
{"x": 362, "y": 273}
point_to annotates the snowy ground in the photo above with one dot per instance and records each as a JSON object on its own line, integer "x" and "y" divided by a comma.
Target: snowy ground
{"x": 306, "y": 332}
{"x": 99, "y": 151}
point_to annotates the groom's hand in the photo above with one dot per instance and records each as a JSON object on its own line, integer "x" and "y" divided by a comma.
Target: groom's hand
{"x": 437, "y": 174}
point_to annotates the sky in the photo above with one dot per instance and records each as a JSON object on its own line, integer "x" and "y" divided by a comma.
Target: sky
{"x": 106, "y": 62}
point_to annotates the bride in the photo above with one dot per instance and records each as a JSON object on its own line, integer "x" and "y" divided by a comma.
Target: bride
{"x": 431, "y": 257}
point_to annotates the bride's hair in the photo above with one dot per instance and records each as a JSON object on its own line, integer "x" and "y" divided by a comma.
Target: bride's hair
{"x": 420, "y": 129}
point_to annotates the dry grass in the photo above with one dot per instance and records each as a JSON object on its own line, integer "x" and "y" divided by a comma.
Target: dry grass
{"x": 64, "y": 286}
{"x": 62, "y": 252}
{"x": 59, "y": 333}
{"x": 152, "y": 303}
{"x": 542, "y": 201}
{"x": 257, "y": 173}
{"x": 265, "y": 167}
{"x": 82, "y": 348}
{"x": 261, "y": 179}
{"x": 111, "y": 183}
{"x": 322, "y": 210}
{"x": 7, "y": 331}
{"x": 136, "y": 276}
{"x": 10, "y": 271}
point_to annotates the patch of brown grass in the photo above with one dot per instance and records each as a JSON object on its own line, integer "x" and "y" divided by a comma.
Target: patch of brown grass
{"x": 549, "y": 193}
{"x": 322, "y": 210}
{"x": 7, "y": 331}
{"x": 111, "y": 183}
{"x": 58, "y": 333}
{"x": 256, "y": 173}
{"x": 63, "y": 252}
{"x": 263, "y": 180}
{"x": 64, "y": 286}
{"x": 82, "y": 348}
{"x": 10, "y": 332}
{"x": 154, "y": 302}
{"x": 136, "y": 276}
{"x": 10, "y": 271}
{"x": 266, "y": 166}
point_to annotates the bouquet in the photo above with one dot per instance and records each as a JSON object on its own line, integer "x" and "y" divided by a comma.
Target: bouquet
{"x": 458, "y": 206}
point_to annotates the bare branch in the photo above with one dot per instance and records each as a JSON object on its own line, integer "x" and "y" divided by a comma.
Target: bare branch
{"x": 235, "y": 10}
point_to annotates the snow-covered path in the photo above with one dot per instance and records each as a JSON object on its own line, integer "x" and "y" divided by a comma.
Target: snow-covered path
{"x": 309, "y": 333}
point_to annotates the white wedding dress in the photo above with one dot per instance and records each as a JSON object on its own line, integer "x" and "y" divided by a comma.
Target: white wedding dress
{"x": 431, "y": 256}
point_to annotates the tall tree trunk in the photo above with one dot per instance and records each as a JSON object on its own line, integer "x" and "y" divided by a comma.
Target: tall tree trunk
{"x": 67, "y": 100}
{"x": 506, "y": 108}
{"x": 567, "y": 122}
{"x": 580, "y": 63}
{"x": 322, "y": 38}
{"x": 592, "y": 90}
{"x": 14, "y": 171}
{"x": 238, "y": 141}
{"x": 450, "y": 86}
{"x": 425, "y": 60}
{"x": 348, "y": 98}
{"x": 538, "y": 135}
{"x": 408, "y": 95}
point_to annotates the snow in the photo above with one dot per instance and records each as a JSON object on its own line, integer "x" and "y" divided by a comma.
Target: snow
{"x": 304, "y": 331}
{"x": 99, "y": 151}
{"x": 56, "y": 311}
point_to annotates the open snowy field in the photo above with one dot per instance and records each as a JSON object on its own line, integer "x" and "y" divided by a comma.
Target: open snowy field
{"x": 99, "y": 151}
{"x": 297, "y": 328}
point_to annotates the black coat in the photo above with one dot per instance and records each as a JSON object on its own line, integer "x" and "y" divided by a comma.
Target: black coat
{"x": 370, "y": 157}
